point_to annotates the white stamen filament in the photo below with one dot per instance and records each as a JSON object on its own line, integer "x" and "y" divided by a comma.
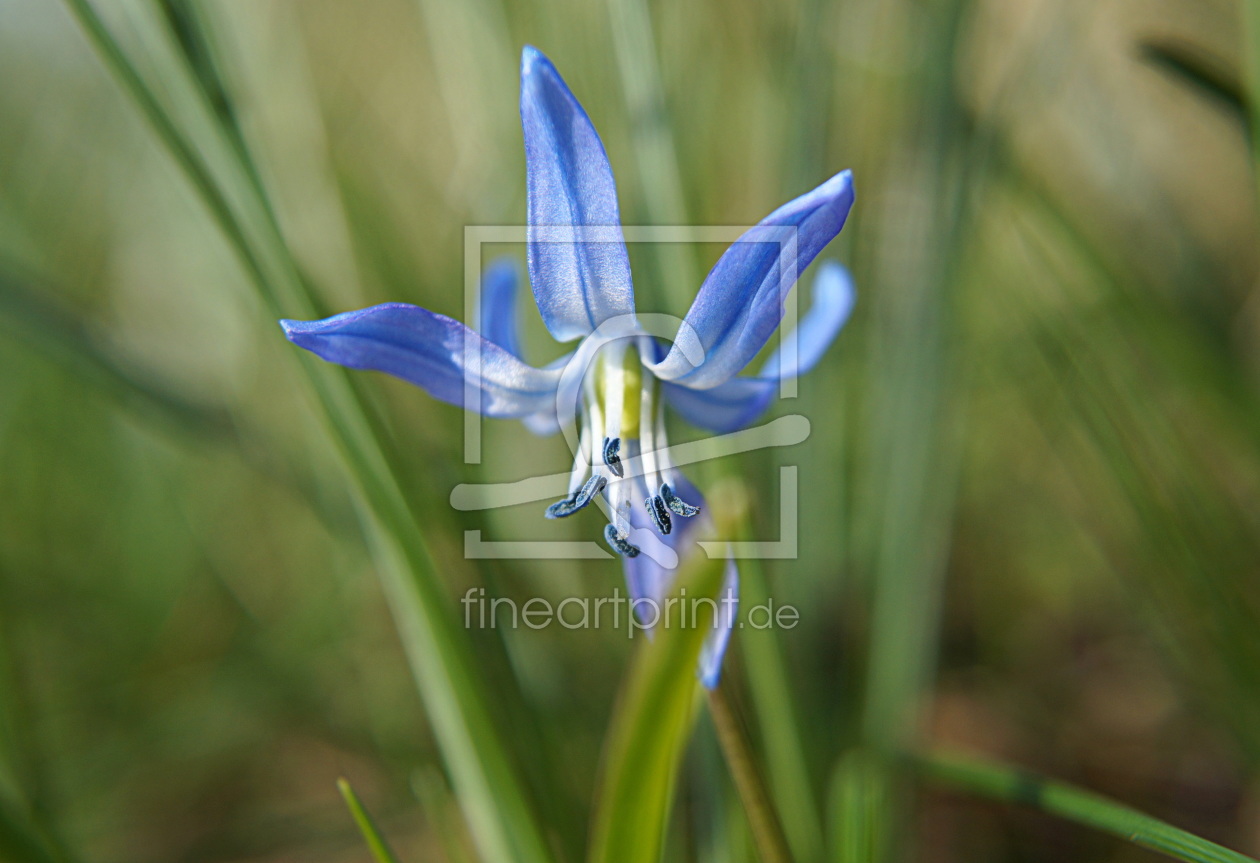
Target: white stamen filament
{"x": 647, "y": 434}
{"x": 665, "y": 466}
{"x": 614, "y": 388}
{"x": 581, "y": 460}
{"x": 619, "y": 502}
{"x": 593, "y": 423}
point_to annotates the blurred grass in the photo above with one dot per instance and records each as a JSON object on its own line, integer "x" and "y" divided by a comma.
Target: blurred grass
{"x": 1027, "y": 508}
{"x": 381, "y": 852}
{"x": 1013, "y": 786}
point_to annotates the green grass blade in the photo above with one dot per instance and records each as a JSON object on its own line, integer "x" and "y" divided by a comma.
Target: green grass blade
{"x": 482, "y": 773}
{"x": 1012, "y": 785}
{"x": 18, "y": 843}
{"x": 651, "y": 725}
{"x": 28, "y": 313}
{"x": 381, "y": 852}
{"x": 187, "y": 156}
{"x": 915, "y": 451}
{"x": 763, "y": 821}
{"x": 862, "y": 808}
{"x": 774, "y": 705}
{"x": 660, "y": 180}
{"x": 25, "y": 837}
{"x": 1251, "y": 23}
{"x": 440, "y": 812}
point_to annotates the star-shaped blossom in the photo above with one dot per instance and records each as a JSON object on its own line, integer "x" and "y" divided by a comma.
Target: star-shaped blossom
{"x": 610, "y": 393}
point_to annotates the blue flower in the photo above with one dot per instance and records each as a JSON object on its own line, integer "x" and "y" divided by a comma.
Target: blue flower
{"x": 609, "y": 394}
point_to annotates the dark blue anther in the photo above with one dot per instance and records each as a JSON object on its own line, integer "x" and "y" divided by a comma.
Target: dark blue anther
{"x": 561, "y": 508}
{"x": 660, "y": 514}
{"x": 612, "y": 446}
{"x": 676, "y": 504}
{"x": 619, "y": 543}
{"x": 579, "y": 499}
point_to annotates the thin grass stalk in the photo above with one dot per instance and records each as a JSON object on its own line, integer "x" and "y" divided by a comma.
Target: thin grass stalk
{"x": 859, "y": 805}
{"x": 732, "y": 734}
{"x": 376, "y": 843}
{"x": 916, "y": 452}
{"x": 774, "y": 705}
{"x": 660, "y": 180}
{"x": 486, "y": 783}
{"x": 1251, "y": 25}
{"x": 1016, "y": 786}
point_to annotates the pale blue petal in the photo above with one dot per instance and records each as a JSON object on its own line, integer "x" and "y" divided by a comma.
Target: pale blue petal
{"x": 500, "y": 321}
{"x": 542, "y": 424}
{"x": 741, "y": 300}
{"x": 715, "y": 643}
{"x": 727, "y": 407}
{"x": 736, "y": 403}
{"x": 428, "y": 350}
{"x": 570, "y": 189}
{"x": 645, "y": 578}
{"x": 546, "y": 422}
{"x": 648, "y": 580}
{"x": 830, "y": 307}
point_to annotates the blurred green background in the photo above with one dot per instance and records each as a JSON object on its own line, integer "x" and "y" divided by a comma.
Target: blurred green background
{"x": 1030, "y": 505}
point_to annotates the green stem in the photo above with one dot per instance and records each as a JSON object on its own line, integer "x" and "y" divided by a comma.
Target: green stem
{"x": 653, "y": 718}
{"x": 733, "y": 737}
{"x": 1013, "y": 785}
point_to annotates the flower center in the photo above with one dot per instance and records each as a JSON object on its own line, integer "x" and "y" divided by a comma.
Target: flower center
{"x": 623, "y": 455}
{"x": 631, "y": 376}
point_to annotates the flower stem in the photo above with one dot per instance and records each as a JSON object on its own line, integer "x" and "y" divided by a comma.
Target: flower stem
{"x": 749, "y": 783}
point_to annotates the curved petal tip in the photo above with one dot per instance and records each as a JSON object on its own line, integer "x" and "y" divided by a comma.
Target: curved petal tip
{"x": 295, "y": 330}
{"x": 531, "y": 57}
{"x": 844, "y": 178}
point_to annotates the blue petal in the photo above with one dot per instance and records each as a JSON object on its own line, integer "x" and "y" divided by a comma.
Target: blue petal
{"x": 830, "y": 307}
{"x": 499, "y": 321}
{"x": 727, "y": 407}
{"x": 648, "y": 580}
{"x": 428, "y": 350}
{"x": 741, "y": 300}
{"x": 714, "y": 647}
{"x": 739, "y": 401}
{"x": 547, "y": 422}
{"x": 578, "y": 285}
